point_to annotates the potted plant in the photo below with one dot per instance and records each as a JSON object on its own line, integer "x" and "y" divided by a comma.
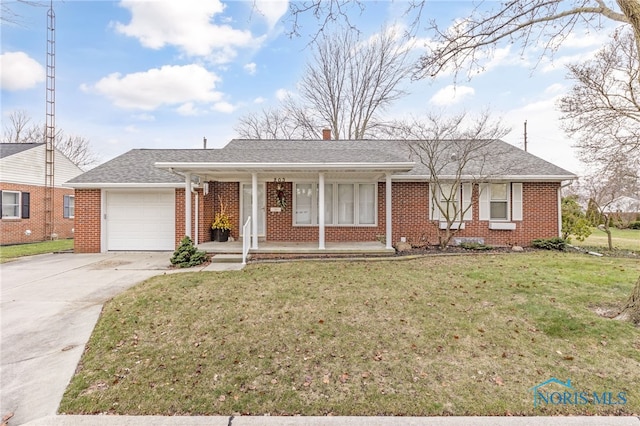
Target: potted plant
{"x": 221, "y": 226}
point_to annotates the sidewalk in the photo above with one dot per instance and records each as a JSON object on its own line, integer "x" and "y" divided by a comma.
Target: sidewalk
{"x": 332, "y": 421}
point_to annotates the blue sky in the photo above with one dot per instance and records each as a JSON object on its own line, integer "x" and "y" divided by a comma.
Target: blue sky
{"x": 165, "y": 74}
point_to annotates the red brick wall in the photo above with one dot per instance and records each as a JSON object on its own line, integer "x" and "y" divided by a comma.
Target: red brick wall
{"x": 229, "y": 194}
{"x": 87, "y": 222}
{"x": 410, "y": 210}
{"x": 12, "y": 231}
{"x": 208, "y": 205}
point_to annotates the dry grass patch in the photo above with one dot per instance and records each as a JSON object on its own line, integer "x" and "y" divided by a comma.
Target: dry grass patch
{"x": 434, "y": 336}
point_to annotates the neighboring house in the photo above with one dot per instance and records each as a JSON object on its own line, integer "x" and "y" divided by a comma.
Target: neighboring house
{"x": 22, "y": 186}
{"x": 624, "y": 210}
{"x": 370, "y": 190}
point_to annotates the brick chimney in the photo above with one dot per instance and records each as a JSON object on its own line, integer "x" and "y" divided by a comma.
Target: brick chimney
{"x": 326, "y": 134}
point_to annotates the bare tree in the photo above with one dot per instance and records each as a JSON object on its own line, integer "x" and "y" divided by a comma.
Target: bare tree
{"x": 602, "y": 110}
{"x": 602, "y": 189}
{"x": 456, "y": 151}
{"x": 469, "y": 43}
{"x": 20, "y": 129}
{"x": 631, "y": 310}
{"x": 345, "y": 86}
{"x": 9, "y": 16}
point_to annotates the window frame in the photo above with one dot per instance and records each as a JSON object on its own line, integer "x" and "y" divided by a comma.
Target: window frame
{"x": 18, "y": 204}
{"x": 335, "y": 205}
{"x": 68, "y": 210}
{"x": 506, "y": 200}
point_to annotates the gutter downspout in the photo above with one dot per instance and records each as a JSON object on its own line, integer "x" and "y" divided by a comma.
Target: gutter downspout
{"x": 560, "y": 206}
{"x": 187, "y": 204}
{"x": 195, "y": 237}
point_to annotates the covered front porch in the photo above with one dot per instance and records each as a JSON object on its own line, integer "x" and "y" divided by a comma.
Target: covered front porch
{"x": 351, "y": 248}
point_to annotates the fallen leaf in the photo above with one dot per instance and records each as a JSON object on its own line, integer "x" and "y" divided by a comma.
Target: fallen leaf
{"x": 568, "y": 358}
{"x": 222, "y": 398}
{"x": 344, "y": 377}
{"x": 326, "y": 380}
{"x": 498, "y": 380}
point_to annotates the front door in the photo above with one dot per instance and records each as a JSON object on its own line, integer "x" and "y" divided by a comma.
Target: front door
{"x": 247, "y": 206}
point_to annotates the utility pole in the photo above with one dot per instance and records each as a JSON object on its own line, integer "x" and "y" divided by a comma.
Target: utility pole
{"x": 525, "y": 135}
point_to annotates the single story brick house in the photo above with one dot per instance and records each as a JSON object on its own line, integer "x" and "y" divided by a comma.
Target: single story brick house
{"x": 22, "y": 190}
{"x": 311, "y": 191}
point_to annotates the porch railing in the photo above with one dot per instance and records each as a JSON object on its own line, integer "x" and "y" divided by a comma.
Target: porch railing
{"x": 246, "y": 240}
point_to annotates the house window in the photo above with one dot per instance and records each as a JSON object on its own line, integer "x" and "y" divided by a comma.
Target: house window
{"x": 345, "y": 204}
{"x": 69, "y": 207}
{"x": 304, "y": 204}
{"x": 10, "y": 205}
{"x": 449, "y": 195}
{"x": 499, "y": 202}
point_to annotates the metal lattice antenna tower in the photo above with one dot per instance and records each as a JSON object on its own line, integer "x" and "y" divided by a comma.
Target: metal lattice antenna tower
{"x": 50, "y": 125}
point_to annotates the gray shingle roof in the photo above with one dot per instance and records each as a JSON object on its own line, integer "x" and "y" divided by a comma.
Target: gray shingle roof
{"x": 137, "y": 166}
{"x": 9, "y": 149}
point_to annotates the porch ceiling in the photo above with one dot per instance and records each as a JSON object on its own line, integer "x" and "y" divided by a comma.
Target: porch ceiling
{"x": 290, "y": 171}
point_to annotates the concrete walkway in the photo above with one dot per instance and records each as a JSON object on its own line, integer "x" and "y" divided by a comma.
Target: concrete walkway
{"x": 49, "y": 306}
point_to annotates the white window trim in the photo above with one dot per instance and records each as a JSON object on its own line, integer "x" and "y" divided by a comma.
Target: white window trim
{"x": 508, "y": 200}
{"x": 71, "y": 197}
{"x": 464, "y": 200}
{"x": 19, "y": 216}
{"x": 334, "y": 199}
{"x": 514, "y": 206}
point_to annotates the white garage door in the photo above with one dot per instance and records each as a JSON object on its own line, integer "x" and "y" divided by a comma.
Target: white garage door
{"x": 140, "y": 220}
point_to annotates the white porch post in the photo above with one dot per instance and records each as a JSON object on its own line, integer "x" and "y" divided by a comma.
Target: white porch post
{"x": 321, "y": 211}
{"x": 254, "y": 210}
{"x": 187, "y": 204}
{"x": 387, "y": 188}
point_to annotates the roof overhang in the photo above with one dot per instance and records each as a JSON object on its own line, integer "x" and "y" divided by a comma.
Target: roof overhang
{"x": 133, "y": 185}
{"x": 209, "y": 168}
{"x": 501, "y": 178}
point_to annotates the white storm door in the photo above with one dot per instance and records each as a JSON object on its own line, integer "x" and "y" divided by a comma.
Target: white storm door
{"x": 247, "y": 206}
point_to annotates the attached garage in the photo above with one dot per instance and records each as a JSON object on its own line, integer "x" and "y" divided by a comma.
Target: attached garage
{"x": 140, "y": 221}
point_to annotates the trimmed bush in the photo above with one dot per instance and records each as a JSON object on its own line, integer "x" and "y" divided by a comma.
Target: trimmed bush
{"x": 187, "y": 255}
{"x": 635, "y": 225}
{"x": 555, "y": 243}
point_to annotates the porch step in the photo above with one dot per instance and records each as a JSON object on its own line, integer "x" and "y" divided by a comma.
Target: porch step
{"x": 226, "y": 258}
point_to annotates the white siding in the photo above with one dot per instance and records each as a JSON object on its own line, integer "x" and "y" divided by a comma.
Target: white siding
{"x": 28, "y": 167}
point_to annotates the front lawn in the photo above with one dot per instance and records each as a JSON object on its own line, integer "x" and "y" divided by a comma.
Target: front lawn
{"x": 450, "y": 335}
{"x": 623, "y": 239}
{"x": 14, "y": 251}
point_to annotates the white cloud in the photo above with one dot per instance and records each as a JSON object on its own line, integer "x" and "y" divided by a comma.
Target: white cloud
{"x": 272, "y": 10}
{"x": 224, "y": 107}
{"x": 250, "y": 68}
{"x": 451, "y": 94}
{"x": 187, "y": 109}
{"x": 131, "y": 129}
{"x": 169, "y": 85}
{"x": 259, "y": 100}
{"x": 282, "y": 94}
{"x": 555, "y": 88}
{"x": 145, "y": 117}
{"x": 186, "y": 24}
{"x": 18, "y": 71}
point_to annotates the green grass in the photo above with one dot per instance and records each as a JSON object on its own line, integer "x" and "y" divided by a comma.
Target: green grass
{"x": 452, "y": 335}
{"x": 11, "y": 252}
{"x": 623, "y": 239}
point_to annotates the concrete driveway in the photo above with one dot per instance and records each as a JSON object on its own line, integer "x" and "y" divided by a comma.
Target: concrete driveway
{"x": 49, "y": 306}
